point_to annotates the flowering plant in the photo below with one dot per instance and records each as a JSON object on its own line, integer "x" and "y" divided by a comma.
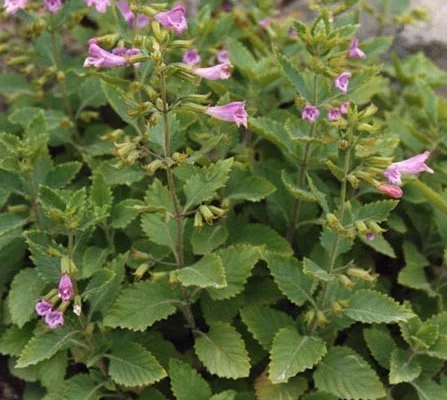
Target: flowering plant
{"x": 234, "y": 206}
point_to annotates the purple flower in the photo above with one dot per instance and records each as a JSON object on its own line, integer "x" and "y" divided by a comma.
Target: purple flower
{"x": 390, "y": 190}
{"x": 129, "y": 15}
{"x": 292, "y": 33}
{"x": 219, "y": 71}
{"x": 341, "y": 82}
{"x": 311, "y": 113}
{"x": 265, "y": 22}
{"x": 223, "y": 56}
{"x": 100, "y": 5}
{"x": 410, "y": 166}
{"x": 232, "y": 112}
{"x": 191, "y": 57}
{"x": 65, "y": 288}
{"x": 174, "y": 19}
{"x": 354, "y": 51}
{"x": 227, "y": 5}
{"x": 43, "y": 307}
{"x": 370, "y": 236}
{"x": 103, "y": 58}
{"x": 344, "y": 107}
{"x": 54, "y": 319}
{"x": 12, "y": 6}
{"x": 334, "y": 114}
{"x": 53, "y": 5}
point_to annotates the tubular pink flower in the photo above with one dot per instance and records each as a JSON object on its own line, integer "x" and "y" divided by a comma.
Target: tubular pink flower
{"x": 341, "y": 82}
{"x": 43, "y": 307}
{"x": 100, "y": 58}
{"x": 223, "y": 56}
{"x": 310, "y": 113}
{"x": 54, "y": 319}
{"x": 174, "y": 19}
{"x": 65, "y": 288}
{"x": 344, "y": 107}
{"x": 191, "y": 57}
{"x": 410, "y": 166}
{"x": 100, "y": 5}
{"x": 53, "y": 5}
{"x": 334, "y": 114}
{"x": 219, "y": 71}
{"x": 129, "y": 15}
{"x": 12, "y": 6}
{"x": 232, "y": 112}
{"x": 265, "y": 22}
{"x": 390, "y": 190}
{"x": 354, "y": 51}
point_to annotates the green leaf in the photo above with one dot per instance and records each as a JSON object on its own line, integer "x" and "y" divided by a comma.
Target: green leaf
{"x": 51, "y": 199}
{"x": 208, "y": 272}
{"x": 381, "y": 245}
{"x": 82, "y": 387}
{"x": 186, "y": 383}
{"x": 227, "y": 395}
{"x": 46, "y": 345}
{"x": 93, "y": 260}
{"x": 346, "y": 375}
{"x": 429, "y": 390}
{"x": 320, "y": 396}
{"x": 14, "y": 339}
{"x": 158, "y": 197}
{"x": 312, "y": 269}
{"x": 222, "y": 351}
{"x": 91, "y": 94}
{"x": 25, "y": 291}
{"x": 159, "y": 231}
{"x": 13, "y": 83}
{"x": 380, "y": 344}
{"x": 238, "y": 262}
{"x": 62, "y": 174}
{"x": 373, "y": 307}
{"x": 264, "y": 322}
{"x": 403, "y": 368}
{"x": 292, "y": 353}
{"x": 296, "y": 191}
{"x": 292, "y": 390}
{"x": 132, "y": 365}
{"x": 100, "y": 193}
{"x": 208, "y": 238}
{"x": 244, "y": 186}
{"x": 10, "y": 222}
{"x": 142, "y": 304}
{"x": 123, "y": 213}
{"x": 377, "y": 211}
{"x": 295, "y": 78}
{"x": 290, "y": 278}
{"x": 36, "y": 127}
{"x": 241, "y": 57}
{"x": 203, "y": 185}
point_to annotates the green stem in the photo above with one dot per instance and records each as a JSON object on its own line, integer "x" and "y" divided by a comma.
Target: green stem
{"x": 35, "y": 201}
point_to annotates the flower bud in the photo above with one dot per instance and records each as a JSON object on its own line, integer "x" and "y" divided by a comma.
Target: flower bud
{"x": 390, "y": 190}
{"x": 353, "y": 180}
{"x": 60, "y": 76}
{"x": 332, "y": 220}
{"x": 194, "y": 107}
{"x": 336, "y": 307}
{"x": 89, "y": 329}
{"x": 374, "y": 227}
{"x": 173, "y": 278}
{"x": 346, "y": 282}
{"x": 77, "y": 306}
{"x": 139, "y": 255}
{"x": 207, "y": 214}
{"x": 66, "y": 123}
{"x": 112, "y": 136}
{"x": 362, "y": 274}
{"x": 65, "y": 288}
{"x": 198, "y": 221}
{"x": 153, "y": 166}
{"x": 361, "y": 227}
{"x": 156, "y": 276}
{"x": 321, "y": 318}
{"x": 17, "y": 60}
{"x": 179, "y": 157}
{"x": 140, "y": 271}
{"x": 218, "y": 212}
{"x": 369, "y": 111}
{"x": 343, "y": 144}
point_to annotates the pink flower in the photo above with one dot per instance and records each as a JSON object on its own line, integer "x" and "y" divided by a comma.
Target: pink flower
{"x": 191, "y": 57}
{"x": 223, "y": 56}
{"x": 65, "y": 288}
{"x": 174, "y": 19}
{"x": 100, "y": 5}
{"x": 390, "y": 190}
{"x": 341, "y": 82}
{"x": 311, "y": 113}
{"x": 219, "y": 71}
{"x": 344, "y": 107}
{"x": 54, "y": 319}
{"x": 410, "y": 166}
{"x": 43, "y": 307}
{"x": 334, "y": 114}
{"x": 292, "y": 33}
{"x": 12, "y": 6}
{"x": 354, "y": 51}
{"x": 53, "y": 5}
{"x": 232, "y": 112}
{"x": 370, "y": 236}
{"x": 265, "y": 22}
{"x": 103, "y": 58}
{"x": 129, "y": 15}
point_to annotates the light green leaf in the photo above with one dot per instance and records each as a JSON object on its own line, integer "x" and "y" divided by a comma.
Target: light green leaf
{"x": 429, "y": 390}
{"x": 377, "y": 211}
{"x": 320, "y": 396}
{"x": 187, "y": 383}
{"x": 10, "y": 222}
{"x": 100, "y": 193}
{"x": 292, "y": 390}
{"x": 373, "y": 307}
{"x": 82, "y": 387}
{"x": 381, "y": 245}
{"x": 227, "y": 395}
{"x": 295, "y": 78}
{"x": 62, "y": 174}
{"x": 132, "y": 365}
{"x": 14, "y": 339}
{"x": 93, "y": 260}
{"x": 142, "y": 304}
{"x": 244, "y": 186}
{"x": 123, "y": 213}
{"x": 292, "y": 353}
{"x": 208, "y": 272}
{"x": 403, "y": 368}
{"x": 296, "y": 191}
{"x": 208, "y": 238}
{"x": 222, "y": 351}
{"x": 347, "y": 375}
{"x": 380, "y": 344}
{"x": 160, "y": 231}
{"x": 312, "y": 269}
{"x": 158, "y": 197}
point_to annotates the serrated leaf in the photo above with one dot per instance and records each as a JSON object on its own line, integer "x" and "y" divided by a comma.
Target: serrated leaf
{"x": 140, "y": 305}
{"x": 264, "y": 322}
{"x": 241, "y": 57}
{"x": 222, "y": 351}
{"x": 403, "y": 367}
{"x": 46, "y": 345}
{"x": 439, "y": 349}
{"x": 413, "y": 276}
{"x": 347, "y": 375}
{"x": 373, "y": 307}
{"x": 203, "y": 185}
{"x": 295, "y": 191}
{"x": 380, "y": 344}
{"x": 25, "y": 291}
{"x": 238, "y": 262}
{"x": 160, "y": 231}
{"x": 50, "y": 198}
{"x": 123, "y": 213}
{"x": 100, "y": 193}
{"x": 62, "y": 174}
{"x": 186, "y": 383}
{"x": 158, "y": 197}
{"x": 243, "y": 186}
{"x": 377, "y": 211}
{"x": 227, "y": 395}
{"x": 207, "y": 239}
{"x": 320, "y": 396}
{"x": 36, "y": 127}
{"x": 295, "y": 78}
{"x": 208, "y": 272}
{"x": 429, "y": 390}
{"x": 14, "y": 339}
{"x": 292, "y": 353}
{"x": 82, "y": 387}
{"x": 92, "y": 260}
{"x": 312, "y": 269}
{"x": 290, "y": 278}
{"x": 10, "y": 222}
{"x": 132, "y": 365}
{"x": 292, "y": 390}
{"x": 320, "y": 196}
